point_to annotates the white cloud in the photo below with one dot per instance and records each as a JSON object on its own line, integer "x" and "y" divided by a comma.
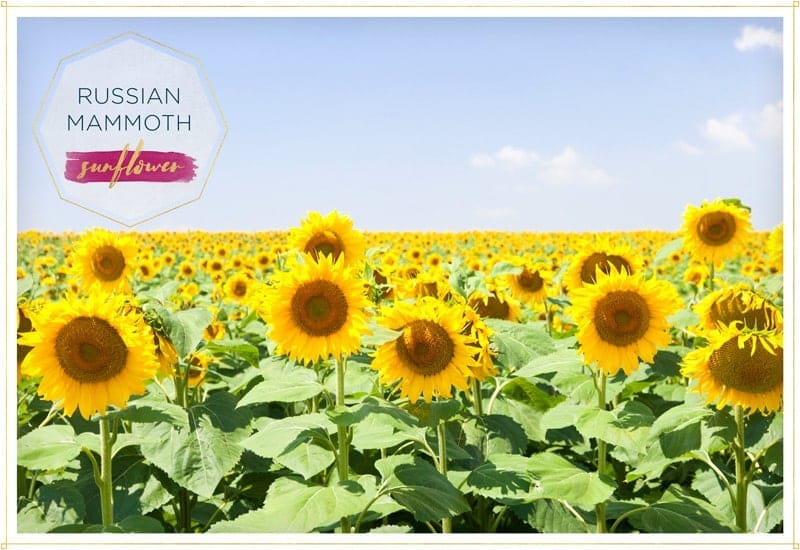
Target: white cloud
{"x": 508, "y": 157}
{"x": 688, "y": 148}
{"x": 753, "y": 37}
{"x": 728, "y": 133}
{"x": 769, "y": 122}
{"x": 567, "y": 167}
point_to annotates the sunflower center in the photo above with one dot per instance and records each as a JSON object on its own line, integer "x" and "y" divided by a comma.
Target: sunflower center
{"x": 319, "y": 308}
{"x": 108, "y": 263}
{"x": 240, "y": 289}
{"x": 716, "y": 228}
{"x": 604, "y": 262}
{"x": 425, "y": 347}
{"x": 621, "y": 317}
{"x": 530, "y": 281}
{"x": 743, "y": 370}
{"x": 325, "y": 243}
{"x": 89, "y": 349}
{"x": 493, "y": 308}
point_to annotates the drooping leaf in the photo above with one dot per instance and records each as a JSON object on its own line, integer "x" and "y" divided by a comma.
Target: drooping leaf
{"x": 420, "y": 488}
{"x": 558, "y": 478}
{"x": 294, "y": 506}
{"x": 236, "y": 347}
{"x": 48, "y": 448}
{"x": 679, "y": 512}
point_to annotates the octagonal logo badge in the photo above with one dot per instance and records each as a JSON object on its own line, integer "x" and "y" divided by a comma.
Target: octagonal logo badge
{"x": 130, "y": 129}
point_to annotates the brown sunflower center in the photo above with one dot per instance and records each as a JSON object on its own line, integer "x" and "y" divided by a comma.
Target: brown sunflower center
{"x": 108, "y": 263}
{"x": 621, "y": 317}
{"x": 240, "y": 289}
{"x": 716, "y": 228}
{"x": 425, "y": 347}
{"x": 743, "y": 370}
{"x": 89, "y": 349}
{"x": 325, "y": 243}
{"x": 604, "y": 262}
{"x": 530, "y": 281}
{"x": 492, "y": 308}
{"x": 733, "y": 308}
{"x": 319, "y": 308}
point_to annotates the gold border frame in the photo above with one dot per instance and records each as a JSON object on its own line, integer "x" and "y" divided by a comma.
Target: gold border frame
{"x": 463, "y": 540}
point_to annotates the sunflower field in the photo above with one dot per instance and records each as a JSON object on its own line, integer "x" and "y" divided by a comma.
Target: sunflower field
{"x": 327, "y": 379}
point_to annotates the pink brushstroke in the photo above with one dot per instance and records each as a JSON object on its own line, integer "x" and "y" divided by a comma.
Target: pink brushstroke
{"x": 153, "y": 167}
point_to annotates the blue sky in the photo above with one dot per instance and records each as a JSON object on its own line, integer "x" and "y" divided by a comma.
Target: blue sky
{"x": 539, "y": 124}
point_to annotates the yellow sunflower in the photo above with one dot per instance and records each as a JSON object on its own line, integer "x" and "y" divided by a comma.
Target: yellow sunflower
{"x": 622, "y": 318}
{"x": 316, "y": 310}
{"x": 716, "y": 230}
{"x": 600, "y": 256}
{"x": 431, "y": 355}
{"x": 104, "y": 261}
{"x": 498, "y": 304}
{"x": 90, "y": 353}
{"x": 775, "y": 248}
{"x": 738, "y": 304}
{"x": 240, "y": 288}
{"x": 329, "y": 235}
{"x": 530, "y": 286}
{"x": 739, "y": 367}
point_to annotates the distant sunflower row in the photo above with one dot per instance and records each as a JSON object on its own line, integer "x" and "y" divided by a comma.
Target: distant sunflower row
{"x": 324, "y": 286}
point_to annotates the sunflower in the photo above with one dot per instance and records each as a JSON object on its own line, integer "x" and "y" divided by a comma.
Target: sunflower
{"x": 716, "y": 230}
{"x": 738, "y": 304}
{"x": 431, "y": 355}
{"x": 186, "y": 270}
{"x": 622, "y": 318}
{"x": 166, "y": 355}
{"x": 329, "y": 235}
{"x": 600, "y": 256}
{"x": 498, "y": 304}
{"x": 739, "y": 367}
{"x": 530, "y": 286}
{"x": 90, "y": 353}
{"x": 104, "y": 261}
{"x": 775, "y": 248}
{"x": 316, "y": 310}
{"x": 240, "y": 288}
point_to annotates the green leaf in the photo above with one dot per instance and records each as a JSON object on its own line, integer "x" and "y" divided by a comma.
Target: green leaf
{"x": 392, "y": 529}
{"x": 733, "y": 201}
{"x": 47, "y": 448}
{"x": 293, "y": 506}
{"x": 199, "y": 457}
{"x": 493, "y": 434}
{"x": 24, "y": 285}
{"x": 151, "y": 408}
{"x": 59, "y": 503}
{"x": 681, "y": 441}
{"x": 359, "y": 379}
{"x": 420, "y": 489}
{"x": 563, "y": 415}
{"x": 623, "y": 427}
{"x": 503, "y": 478}
{"x": 370, "y": 407}
{"x": 378, "y": 335}
{"x": 517, "y": 344}
{"x": 678, "y": 417}
{"x": 563, "y": 360}
{"x": 284, "y": 383}
{"x": 679, "y": 512}
{"x": 293, "y": 443}
{"x": 560, "y": 479}
{"x": 236, "y": 347}
{"x": 525, "y": 415}
{"x": 160, "y": 294}
{"x": 683, "y": 319}
{"x": 140, "y": 524}
{"x": 551, "y": 516}
{"x": 770, "y": 516}
{"x": 185, "y": 328}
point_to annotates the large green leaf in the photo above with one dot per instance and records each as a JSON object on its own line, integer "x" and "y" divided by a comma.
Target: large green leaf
{"x": 563, "y": 360}
{"x": 294, "y": 506}
{"x": 679, "y": 512}
{"x": 492, "y": 434}
{"x": 185, "y": 328}
{"x": 294, "y": 442}
{"x": 627, "y": 426}
{"x": 678, "y": 417}
{"x": 378, "y": 424}
{"x": 525, "y": 415}
{"x": 237, "y": 347}
{"x": 152, "y": 408}
{"x": 559, "y": 479}
{"x": 517, "y": 344}
{"x": 48, "y": 448}
{"x": 284, "y": 383}
{"x": 551, "y": 516}
{"x": 420, "y": 488}
{"x": 59, "y": 503}
{"x": 199, "y": 457}
{"x": 503, "y": 478}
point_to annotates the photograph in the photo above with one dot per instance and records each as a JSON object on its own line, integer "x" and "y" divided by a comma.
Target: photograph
{"x": 400, "y": 275}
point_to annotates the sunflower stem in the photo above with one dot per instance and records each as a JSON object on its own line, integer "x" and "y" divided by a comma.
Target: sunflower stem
{"x": 741, "y": 472}
{"x": 447, "y": 523}
{"x": 711, "y": 276}
{"x": 547, "y": 318}
{"x": 600, "y": 509}
{"x": 477, "y": 398}
{"x": 105, "y": 486}
{"x": 344, "y": 444}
